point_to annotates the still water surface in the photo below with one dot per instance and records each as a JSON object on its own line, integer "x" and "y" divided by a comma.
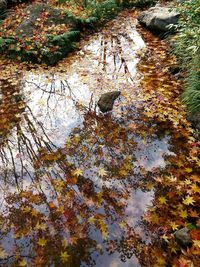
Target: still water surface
{"x": 56, "y": 129}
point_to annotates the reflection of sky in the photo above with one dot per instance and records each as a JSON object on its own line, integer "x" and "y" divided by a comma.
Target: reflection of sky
{"x": 113, "y": 261}
{"x": 150, "y": 154}
{"x": 52, "y": 101}
{"x": 137, "y": 205}
{"x": 56, "y": 111}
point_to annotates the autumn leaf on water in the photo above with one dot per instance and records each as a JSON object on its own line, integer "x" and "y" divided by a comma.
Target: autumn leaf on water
{"x": 174, "y": 226}
{"x": 42, "y": 242}
{"x": 188, "y": 170}
{"x": 196, "y": 243}
{"x": 122, "y": 224}
{"x": 162, "y": 200}
{"x": 78, "y": 172}
{"x": 183, "y": 213}
{"x": 92, "y": 220}
{"x": 3, "y": 253}
{"x": 188, "y": 200}
{"x": 103, "y": 229}
{"x": 165, "y": 237}
{"x": 183, "y": 263}
{"x": 160, "y": 261}
{"x": 194, "y": 213}
{"x": 40, "y": 226}
{"x": 102, "y": 172}
{"x": 195, "y": 188}
{"x": 34, "y": 212}
{"x": 65, "y": 242}
{"x": 23, "y": 263}
{"x": 64, "y": 256}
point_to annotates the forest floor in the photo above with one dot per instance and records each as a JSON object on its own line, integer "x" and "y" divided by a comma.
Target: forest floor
{"x": 79, "y": 188}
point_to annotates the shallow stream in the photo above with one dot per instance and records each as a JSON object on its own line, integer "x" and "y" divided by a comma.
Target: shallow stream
{"x": 77, "y": 185}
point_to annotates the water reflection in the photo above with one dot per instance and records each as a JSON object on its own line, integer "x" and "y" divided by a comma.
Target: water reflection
{"x": 76, "y": 185}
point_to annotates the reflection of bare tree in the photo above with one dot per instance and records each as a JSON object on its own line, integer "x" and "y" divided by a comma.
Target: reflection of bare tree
{"x": 85, "y": 183}
{"x": 26, "y": 135}
{"x": 114, "y": 55}
{"x": 51, "y": 199}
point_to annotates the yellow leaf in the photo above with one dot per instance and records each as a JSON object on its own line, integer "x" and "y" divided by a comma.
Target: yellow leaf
{"x": 165, "y": 237}
{"x": 103, "y": 228}
{"x": 174, "y": 226}
{"x": 91, "y": 220}
{"x": 40, "y": 226}
{"x": 188, "y": 170}
{"x": 23, "y": 263}
{"x": 122, "y": 224}
{"x": 187, "y": 182}
{"x": 173, "y": 248}
{"x": 64, "y": 256}
{"x": 183, "y": 213}
{"x": 26, "y": 209}
{"x": 195, "y": 188}
{"x": 102, "y": 172}
{"x": 188, "y": 200}
{"x": 162, "y": 200}
{"x": 78, "y": 172}
{"x": 61, "y": 209}
{"x": 160, "y": 261}
{"x": 123, "y": 172}
{"x": 196, "y": 243}
{"x": 42, "y": 242}
{"x": 3, "y": 254}
{"x": 34, "y": 212}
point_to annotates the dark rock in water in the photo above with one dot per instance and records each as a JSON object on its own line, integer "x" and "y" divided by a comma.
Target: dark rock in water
{"x": 107, "y": 100}
{"x": 174, "y": 69}
{"x": 182, "y": 237}
{"x": 195, "y": 120}
{"x": 158, "y": 18}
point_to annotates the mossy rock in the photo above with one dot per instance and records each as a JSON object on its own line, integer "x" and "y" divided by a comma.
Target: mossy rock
{"x": 37, "y": 12}
{"x": 42, "y": 34}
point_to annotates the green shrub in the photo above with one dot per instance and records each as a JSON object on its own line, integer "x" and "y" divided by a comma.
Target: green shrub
{"x": 187, "y": 49}
{"x": 106, "y": 10}
{"x": 138, "y": 3}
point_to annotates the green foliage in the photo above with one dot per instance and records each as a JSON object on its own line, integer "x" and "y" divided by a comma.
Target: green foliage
{"x": 106, "y": 10}
{"x": 187, "y": 48}
{"x": 2, "y": 15}
{"x": 191, "y": 95}
{"x": 4, "y": 43}
{"x": 138, "y": 3}
{"x": 58, "y": 47}
{"x": 65, "y": 43}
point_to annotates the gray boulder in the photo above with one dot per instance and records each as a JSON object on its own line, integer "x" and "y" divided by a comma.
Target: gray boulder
{"x": 107, "y": 100}
{"x": 28, "y": 25}
{"x": 182, "y": 237}
{"x": 158, "y": 18}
